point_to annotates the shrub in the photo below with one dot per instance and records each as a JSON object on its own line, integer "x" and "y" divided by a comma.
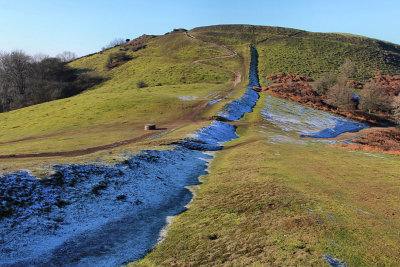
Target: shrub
{"x": 100, "y": 186}
{"x": 116, "y": 59}
{"x": 84, "y": 81}
{"x": 323, "y": 83}
{"x": 141, "y": 84}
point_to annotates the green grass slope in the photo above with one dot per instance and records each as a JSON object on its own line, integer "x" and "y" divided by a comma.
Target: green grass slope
{"x": 307, "y": 53}
{"x": 117, "y": 109}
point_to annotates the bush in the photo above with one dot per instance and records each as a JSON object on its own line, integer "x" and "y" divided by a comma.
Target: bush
{"x": 116, "y": 59}
{"x": 141, "y": 84}
{"x": 84, "y": 81}
{"x": 323, "y": 83}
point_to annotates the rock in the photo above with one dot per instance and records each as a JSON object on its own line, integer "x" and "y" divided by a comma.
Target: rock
{"x": 148, "y": 127}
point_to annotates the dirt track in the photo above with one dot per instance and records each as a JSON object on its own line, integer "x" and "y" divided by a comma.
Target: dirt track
{"x": 233, "y": 53}
{"x": 188, "y": 117}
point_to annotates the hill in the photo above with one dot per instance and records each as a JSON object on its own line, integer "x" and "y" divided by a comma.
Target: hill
{"x": 268, "y": 184}
{"x": 118, "y": 108}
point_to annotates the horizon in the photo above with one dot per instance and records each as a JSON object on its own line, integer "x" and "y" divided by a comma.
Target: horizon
{"x": 83, "y": 28}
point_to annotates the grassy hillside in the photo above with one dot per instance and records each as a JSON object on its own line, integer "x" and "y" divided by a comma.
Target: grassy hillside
{"x": 308, "y": 53}
{"x": 288, "y": 205}
{"x": 277, "y": 203}
{"x": 117, "y": 109}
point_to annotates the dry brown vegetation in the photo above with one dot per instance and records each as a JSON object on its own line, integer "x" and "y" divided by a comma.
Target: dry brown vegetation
{"x": 138, "y": 43}
{"x": 380, "y": 140}
{"x": 391, "y": 84}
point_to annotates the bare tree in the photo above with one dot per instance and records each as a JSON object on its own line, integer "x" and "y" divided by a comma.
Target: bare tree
{"x": 373, "y": 97}
{"x": 323, "y": 83}
{"x": 66, "y": 56}
{"x": 340, "y": 96}
{"x": 16, "y": 68}
{"x": 396, "y": 109}
{"x": 115, "y": 42}
{"x": 347, "y": 69}
{"x": 26, "y": 80}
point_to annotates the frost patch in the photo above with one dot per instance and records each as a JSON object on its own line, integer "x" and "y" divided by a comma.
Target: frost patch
{"x": 210, "y": 95}
{"x": 334, "y": 262}
{"x": 210, "y": 138}
{"x": 360, "y": 210}
{"x": 306, "y": 121}
{"x": 187, "y": 98}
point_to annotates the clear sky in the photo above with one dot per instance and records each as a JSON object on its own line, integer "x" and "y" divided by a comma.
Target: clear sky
{"x": 83, "y": 26}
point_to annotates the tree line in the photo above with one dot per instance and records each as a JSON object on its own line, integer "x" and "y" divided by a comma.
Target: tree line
{"x": 28, "y": 80}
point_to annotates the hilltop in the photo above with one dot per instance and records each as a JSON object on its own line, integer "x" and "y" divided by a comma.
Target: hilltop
{"x": 308, "y": 53}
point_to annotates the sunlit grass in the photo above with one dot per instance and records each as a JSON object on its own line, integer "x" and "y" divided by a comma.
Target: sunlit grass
{"x": 117, "y": 109}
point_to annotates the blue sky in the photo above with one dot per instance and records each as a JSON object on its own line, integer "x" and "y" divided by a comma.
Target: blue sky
{"x": 84, "y": 26}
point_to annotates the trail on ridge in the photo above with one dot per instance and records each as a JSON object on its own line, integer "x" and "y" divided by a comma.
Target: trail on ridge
{"x": 233, "y": 53}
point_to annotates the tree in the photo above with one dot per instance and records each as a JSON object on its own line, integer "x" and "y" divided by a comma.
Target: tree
{"x": 347, "y": 69}
{"x": 15, "y": 69}
{"x": 396, "y": 109}
{"x": 372, "y": 97}
{"x": 113, "y": 43}
{"x": 340, "y": 96}
{"x": 323, "y": 83}
{"x": 26, "y": 80}
{"x": 67, "y": 56}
